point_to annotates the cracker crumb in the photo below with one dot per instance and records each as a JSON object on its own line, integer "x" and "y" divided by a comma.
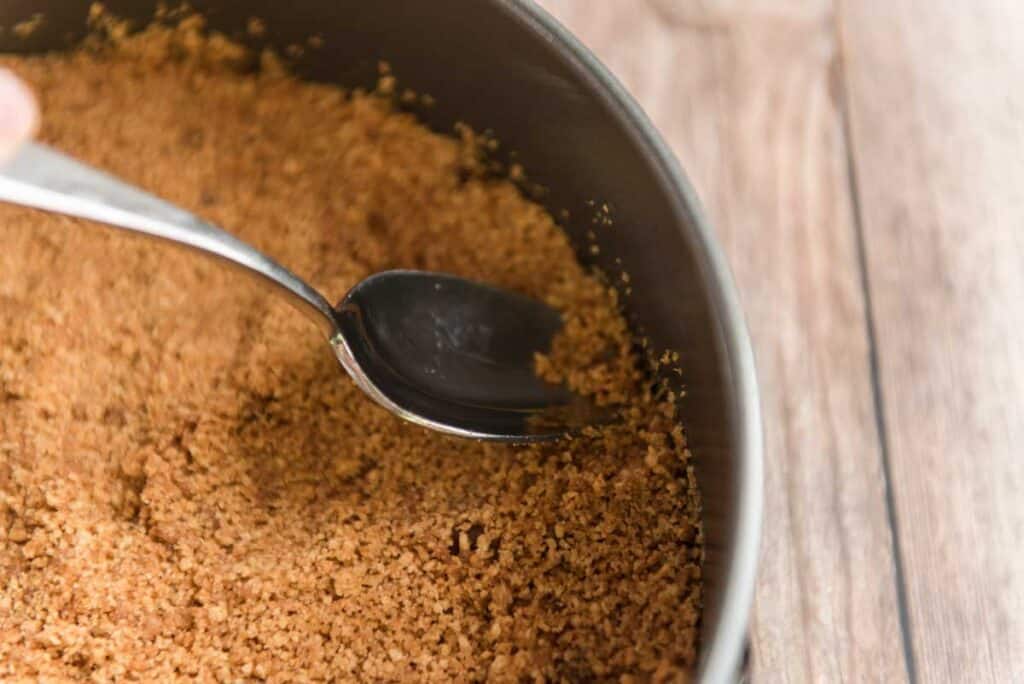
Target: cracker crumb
{"x": 256, "y": 27}
{"x": 191, "y": 489}
{"x": 24, "y": 29}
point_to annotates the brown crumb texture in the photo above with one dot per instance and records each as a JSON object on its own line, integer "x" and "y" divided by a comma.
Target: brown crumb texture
{"x": 189, "y": 486}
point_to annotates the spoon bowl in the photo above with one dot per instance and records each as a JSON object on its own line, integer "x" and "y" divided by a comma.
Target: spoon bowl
{"x": 456, "y": 356}
{"x": 437, "y": 350}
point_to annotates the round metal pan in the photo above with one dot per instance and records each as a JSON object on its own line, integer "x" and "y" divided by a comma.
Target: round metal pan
{"x": 506, "y": 66}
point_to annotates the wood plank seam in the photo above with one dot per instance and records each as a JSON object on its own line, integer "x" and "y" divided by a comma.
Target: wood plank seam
{"x": 878, "y": 396}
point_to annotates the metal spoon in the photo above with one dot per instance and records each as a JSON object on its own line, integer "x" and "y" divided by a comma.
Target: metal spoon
{"x": 434, "y": 349}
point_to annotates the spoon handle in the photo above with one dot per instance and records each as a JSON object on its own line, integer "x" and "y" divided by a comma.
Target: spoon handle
{"x": 43, "y": 178}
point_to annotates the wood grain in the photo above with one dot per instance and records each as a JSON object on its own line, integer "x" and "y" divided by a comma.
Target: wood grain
{"x": 937, "y": 117}
{"x": 745, "y": 93}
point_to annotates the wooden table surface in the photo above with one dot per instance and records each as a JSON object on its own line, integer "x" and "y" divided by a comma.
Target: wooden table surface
{"x": 863, "y": 164}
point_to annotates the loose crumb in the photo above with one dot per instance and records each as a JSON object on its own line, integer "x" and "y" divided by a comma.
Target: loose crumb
{"x": 24, "y": 29}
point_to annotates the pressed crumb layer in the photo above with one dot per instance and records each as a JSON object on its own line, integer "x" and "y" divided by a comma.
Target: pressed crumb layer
{"x": 189, "y": 485}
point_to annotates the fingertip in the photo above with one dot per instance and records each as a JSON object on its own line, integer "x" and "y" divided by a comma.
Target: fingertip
{"x": 19, "y": 112}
